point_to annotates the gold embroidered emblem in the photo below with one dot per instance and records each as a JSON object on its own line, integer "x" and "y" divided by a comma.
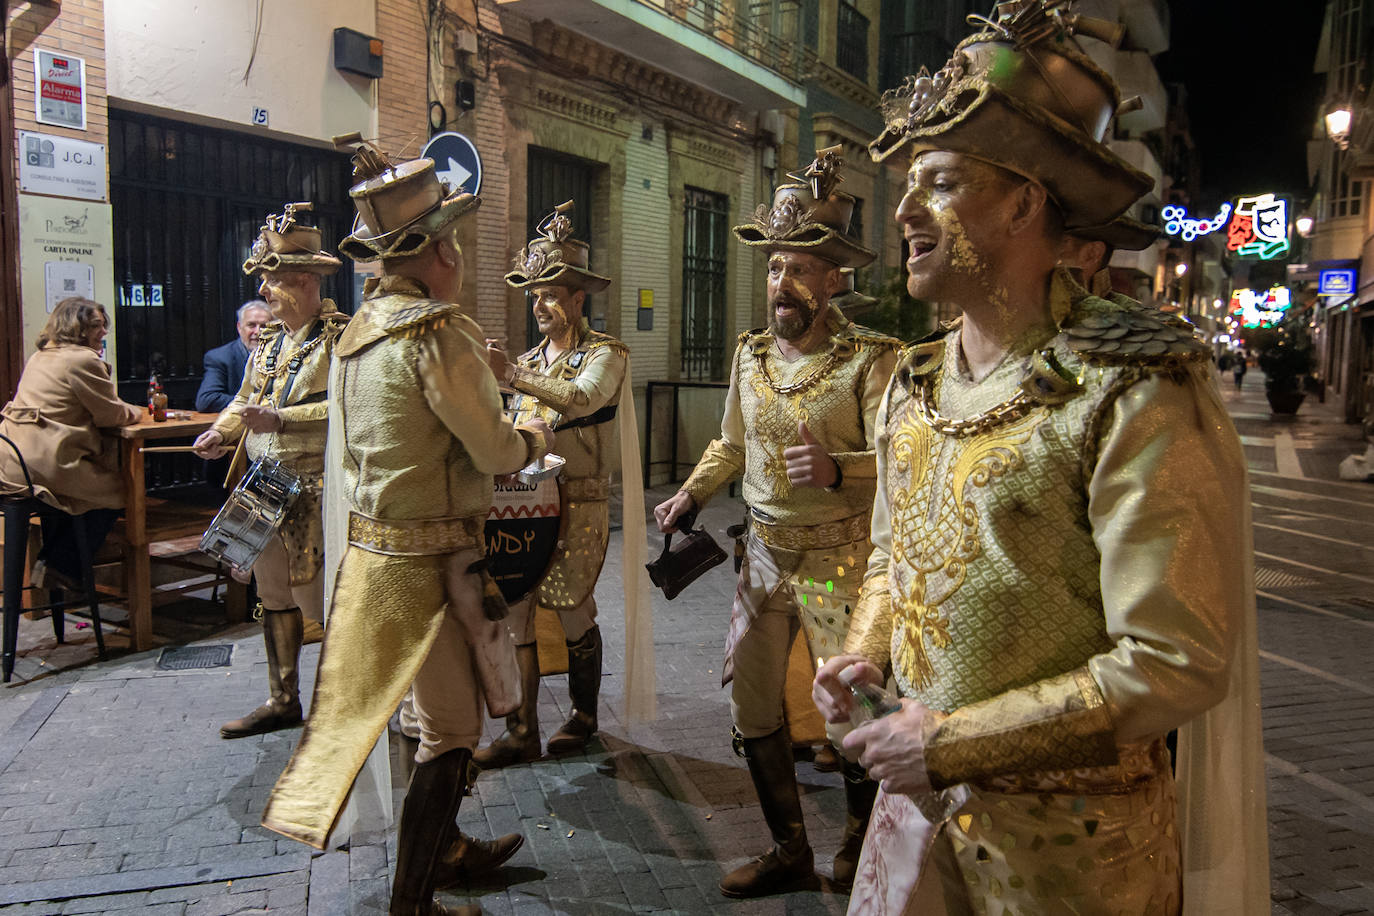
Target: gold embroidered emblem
{"x": 936, "y": 524}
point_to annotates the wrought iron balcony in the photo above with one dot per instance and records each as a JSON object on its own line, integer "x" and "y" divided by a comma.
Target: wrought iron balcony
{"x": 748, "y": 50}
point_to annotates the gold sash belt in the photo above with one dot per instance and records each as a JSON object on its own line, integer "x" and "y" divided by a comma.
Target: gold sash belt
{"x": 585, "y": 489}
{"x": 813, "y": 537}
{"x": 415, "y": 537}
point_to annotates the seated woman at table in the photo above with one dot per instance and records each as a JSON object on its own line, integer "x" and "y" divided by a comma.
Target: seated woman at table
{"x": 65, "y": 398}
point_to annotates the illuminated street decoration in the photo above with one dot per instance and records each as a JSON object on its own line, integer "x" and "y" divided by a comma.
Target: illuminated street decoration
{"x": 1260, "y": 308}
{"x": 1178, "y": 222}
{"x": 1259, "y": 228}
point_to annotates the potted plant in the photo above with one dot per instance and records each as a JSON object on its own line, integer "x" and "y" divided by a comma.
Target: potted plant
{"x": 1287, "y": 363}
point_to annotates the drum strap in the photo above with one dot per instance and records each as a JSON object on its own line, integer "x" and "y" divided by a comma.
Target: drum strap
{"x": 297, "y": 360}
{"x": 604, "y": 415}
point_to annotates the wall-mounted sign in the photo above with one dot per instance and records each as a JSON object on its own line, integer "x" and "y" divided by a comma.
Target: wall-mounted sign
{"x": 1258, "y": 228}
{"x": 49, "y": 164}
{"x": 259, "y": 117}
{"x": 65, "y": 247}
{"x": 1260, "y": 308}
{"x": 1340, "y": 283}
{"x": 1178, "y": 222}
{"x": 456, "y": 161}
{"x": 60, "y": 83}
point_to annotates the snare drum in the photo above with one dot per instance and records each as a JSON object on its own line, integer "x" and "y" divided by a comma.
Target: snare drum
{"x": 522, "y": 535}
{"x": 253, "y": 514}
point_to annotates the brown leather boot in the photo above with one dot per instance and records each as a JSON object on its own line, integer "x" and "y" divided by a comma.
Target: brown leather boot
{"x": 584, "y": 686}
{"x": 790, "y": 864}
{"x": 468, "y": 857}
{"x": 427, "y": 826}
{"x": 519, "y": 743}
{"x": 859, "y": 794}
{"x": 281, "y": 632}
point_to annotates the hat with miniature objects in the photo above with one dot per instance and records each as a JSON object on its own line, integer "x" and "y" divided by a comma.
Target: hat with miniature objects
{"x": 1023, "y": 94}
{"x": 401, "y": 208}
{"x": 283, "y": 244}
{"x": 554, "y": 259}
{"x": 809, "y": 215}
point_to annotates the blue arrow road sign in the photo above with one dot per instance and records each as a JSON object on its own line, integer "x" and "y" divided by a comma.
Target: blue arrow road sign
{"x": 455, "y": 161}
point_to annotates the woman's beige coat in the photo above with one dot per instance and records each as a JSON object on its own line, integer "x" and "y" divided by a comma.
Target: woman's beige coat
{"x": 65, "y": 398}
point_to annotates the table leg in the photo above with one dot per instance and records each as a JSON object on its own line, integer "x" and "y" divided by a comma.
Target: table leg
{"x": 137, "y": 568}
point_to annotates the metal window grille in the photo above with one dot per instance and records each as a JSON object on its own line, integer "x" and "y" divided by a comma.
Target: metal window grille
{"x": 551, "y": 179}
{"x": 768, "y": 32}
{"x": 187, "y": 202}
{"x": 907, "y": 52}
{"x": 705, "y": 238}
{"x": 851, "y": 49}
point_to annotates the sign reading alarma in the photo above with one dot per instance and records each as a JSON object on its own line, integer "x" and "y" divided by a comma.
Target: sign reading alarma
{"x": 1260, "y": 308}
{"x": 1336, "y": 282}
{"x": 60, "y": 98}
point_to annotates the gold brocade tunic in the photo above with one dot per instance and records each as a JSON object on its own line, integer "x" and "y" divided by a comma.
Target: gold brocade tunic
{"x": 302, "y": 357}
{"x": 1058, "y": 564}
{"x": 814, "y": 537}
{"x": 577, "y": 393}
{"x": 835, "y": 390}
{"x": 423, "y": 435}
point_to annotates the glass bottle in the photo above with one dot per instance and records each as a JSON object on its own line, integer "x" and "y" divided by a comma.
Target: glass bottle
{"x": 159, "y": 402}
{"x": 870, "y": 700}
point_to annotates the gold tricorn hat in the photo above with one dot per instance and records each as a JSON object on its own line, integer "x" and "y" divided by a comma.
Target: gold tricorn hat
{"x": 401, "y": 208}
{"x": 554, "y": 259}
{"x": 809, "y": 216}
{"x": 1023, "y": 95}
{"x": 1123, "y": 232}
{"x": 284, "y": 244}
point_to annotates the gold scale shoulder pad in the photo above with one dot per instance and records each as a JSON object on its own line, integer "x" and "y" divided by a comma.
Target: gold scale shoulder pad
{"x": 597, "y": 340}
{"x": 420, "y": 317}
{"x": 1109, "y": 333}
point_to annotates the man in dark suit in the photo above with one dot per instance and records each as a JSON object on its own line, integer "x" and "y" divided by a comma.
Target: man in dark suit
{"x": 224, "y": 365}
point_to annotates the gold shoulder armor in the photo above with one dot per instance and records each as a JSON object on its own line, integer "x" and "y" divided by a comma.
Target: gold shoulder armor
{"x": 867, "y": 337}
{"x": 419, "y": 317}
{"x": 1105, "y": 332}
{"x": 599, "y": 340}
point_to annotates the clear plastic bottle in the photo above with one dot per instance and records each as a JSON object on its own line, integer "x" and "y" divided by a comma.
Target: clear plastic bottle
{"x": 870, "y": 700}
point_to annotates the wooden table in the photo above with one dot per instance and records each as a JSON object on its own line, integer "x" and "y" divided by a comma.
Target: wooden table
{"x": 137, "y": 565}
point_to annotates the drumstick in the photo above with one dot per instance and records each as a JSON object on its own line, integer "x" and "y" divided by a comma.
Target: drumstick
{"x": 168, "y": 448}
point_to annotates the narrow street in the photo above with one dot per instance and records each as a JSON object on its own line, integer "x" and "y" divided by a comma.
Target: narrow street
{"x": 117, "y": 795}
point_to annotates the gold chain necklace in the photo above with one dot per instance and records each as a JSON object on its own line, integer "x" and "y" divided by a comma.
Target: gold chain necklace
{"x": 801, "y": 384}
{"x": 1014, "y": 408}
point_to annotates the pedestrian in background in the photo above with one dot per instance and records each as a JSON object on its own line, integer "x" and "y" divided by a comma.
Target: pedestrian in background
{"x": 224, "y": 365}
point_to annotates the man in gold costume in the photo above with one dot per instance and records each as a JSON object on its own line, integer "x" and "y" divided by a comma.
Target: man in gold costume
{"x": 280, "y": 412}
{"x": 1061, "y": 565}
{"x": 798, "y": 425}
{"x": 573, "y": 380}
{"x": 1087, "y": 253}
{"x": 422, "y": 434}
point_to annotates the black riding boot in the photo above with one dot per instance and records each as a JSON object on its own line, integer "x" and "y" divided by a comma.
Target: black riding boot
{"x": 789, "y": 865}
{"x": 584, "y": 686}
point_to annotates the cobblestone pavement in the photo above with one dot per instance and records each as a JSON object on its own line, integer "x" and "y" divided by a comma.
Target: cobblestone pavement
{"x": 117, "y": 794}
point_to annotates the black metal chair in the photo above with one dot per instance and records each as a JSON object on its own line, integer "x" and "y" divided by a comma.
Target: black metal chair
{"x": 19, "y": 511}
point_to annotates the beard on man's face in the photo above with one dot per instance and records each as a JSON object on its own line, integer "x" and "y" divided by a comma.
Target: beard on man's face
{"x": 797, "y": 322}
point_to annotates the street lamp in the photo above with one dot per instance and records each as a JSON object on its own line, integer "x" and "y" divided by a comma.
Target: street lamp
{"x": 1180, "y": 268}
{"x": 1304, "y": 225}
{"x": 1338, "y": 124}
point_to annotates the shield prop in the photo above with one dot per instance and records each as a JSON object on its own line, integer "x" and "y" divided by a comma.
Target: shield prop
{"x": 522, "y": 534}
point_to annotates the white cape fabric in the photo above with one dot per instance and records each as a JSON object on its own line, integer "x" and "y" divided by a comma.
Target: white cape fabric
{"x": 1223, "y": 818}
{"x": 641, "y": 690}
{"x": 368, "y": 808}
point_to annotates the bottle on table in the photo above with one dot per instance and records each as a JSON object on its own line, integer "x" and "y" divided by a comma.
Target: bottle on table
{"x": 157, "y": 399}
